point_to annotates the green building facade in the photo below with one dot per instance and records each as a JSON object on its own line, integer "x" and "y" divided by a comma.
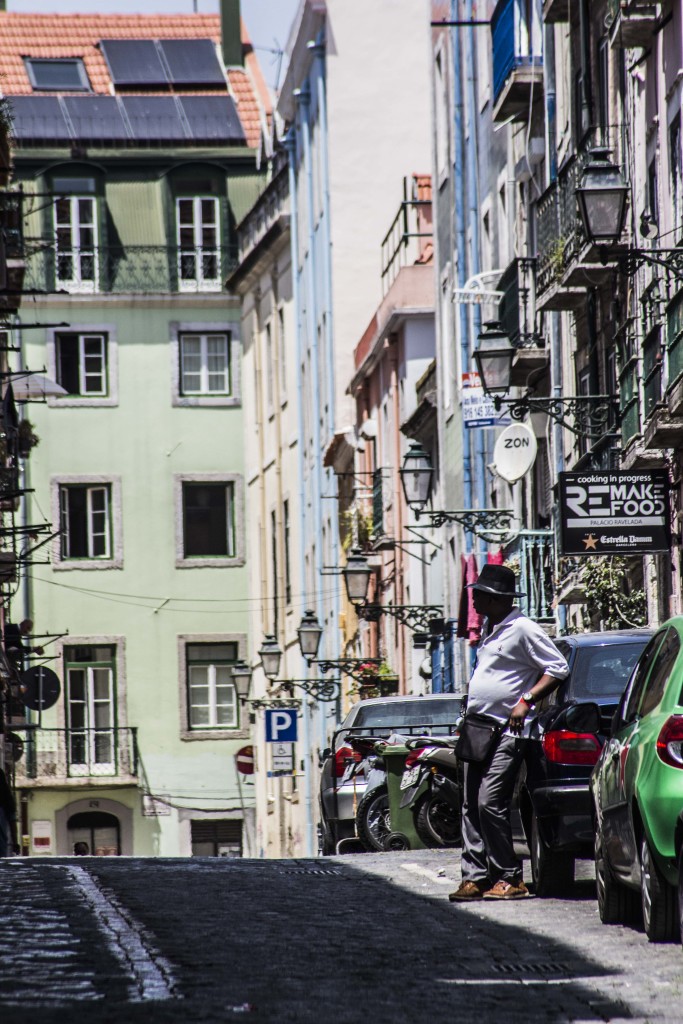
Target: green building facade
{"x": 139, "y": 469}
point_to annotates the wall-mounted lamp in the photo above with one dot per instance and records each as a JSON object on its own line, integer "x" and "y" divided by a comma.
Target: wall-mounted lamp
{"x": 589, "y": 415}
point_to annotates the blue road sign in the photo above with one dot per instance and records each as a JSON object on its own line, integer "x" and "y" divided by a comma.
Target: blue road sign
{"x": 281, "y": 725}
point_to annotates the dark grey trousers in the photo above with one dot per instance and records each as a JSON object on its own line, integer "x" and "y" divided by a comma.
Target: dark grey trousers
{"x": 487, "y": 850}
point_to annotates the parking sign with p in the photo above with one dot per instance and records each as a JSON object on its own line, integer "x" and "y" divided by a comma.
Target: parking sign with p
{"x": 281, "y": 725}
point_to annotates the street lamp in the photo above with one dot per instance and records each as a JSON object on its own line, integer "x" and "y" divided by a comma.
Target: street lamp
{"x": 310, "y": 632}
{"x": 493, "y": 356}
{"x": 602, "y": 196}
{"x": 589, "y": 415}
{"x": 271, "y": 655}
{"x": 241, "y": 677}
{"x": 356, "y": 575}
{"x": 475, "y": 520}
{"x": 416, "y": 475}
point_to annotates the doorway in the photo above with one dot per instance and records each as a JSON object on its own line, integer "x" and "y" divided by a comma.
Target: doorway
{"x": 95, "y": 834}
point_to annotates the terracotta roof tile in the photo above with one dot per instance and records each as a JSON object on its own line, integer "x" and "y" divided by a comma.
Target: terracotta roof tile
{"x": 77, "y": 35}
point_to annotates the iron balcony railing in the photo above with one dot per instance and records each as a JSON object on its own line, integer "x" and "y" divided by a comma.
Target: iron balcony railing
{"x": 534, "y": 553}
{"x": 560, "y": 232}
{"x": 57, "y": 754}
{"x": 129, "y": 268}
{"x": 517, "y": 308}
{"x": 514, "y": 43}
{"x": 406, "y": 241}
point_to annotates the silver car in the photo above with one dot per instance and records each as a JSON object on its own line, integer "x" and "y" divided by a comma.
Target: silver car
{"x": 344, "y": 776}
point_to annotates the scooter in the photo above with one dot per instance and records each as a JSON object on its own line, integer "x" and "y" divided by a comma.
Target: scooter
{"x": 432, "y": 786}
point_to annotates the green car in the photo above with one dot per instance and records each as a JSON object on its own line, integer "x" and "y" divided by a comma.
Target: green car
{"x": 637, "y": 795}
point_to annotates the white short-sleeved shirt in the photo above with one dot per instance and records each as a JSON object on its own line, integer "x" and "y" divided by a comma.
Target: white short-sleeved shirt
{"x": 511, "y": 660}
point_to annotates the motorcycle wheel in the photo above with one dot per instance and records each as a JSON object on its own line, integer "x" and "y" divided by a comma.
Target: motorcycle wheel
{"x": 372, "y": 819}
{"x": 437, "y": 823}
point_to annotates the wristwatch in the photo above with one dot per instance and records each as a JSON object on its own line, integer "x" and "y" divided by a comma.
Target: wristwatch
{"x": 528, "y": 698}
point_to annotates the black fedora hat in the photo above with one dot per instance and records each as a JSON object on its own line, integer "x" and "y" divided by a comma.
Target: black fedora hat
{"x": 498, "y": 580}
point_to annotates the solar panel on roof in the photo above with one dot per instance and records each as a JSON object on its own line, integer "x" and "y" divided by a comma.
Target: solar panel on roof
{"x": 134, "y": 62}
{"x": 38, "y": 119}
{"x": 192, "y": 61}
{"x": 212, "y": 118}
{"x": 96, "y": 118}
{"x": 154, "y": 118}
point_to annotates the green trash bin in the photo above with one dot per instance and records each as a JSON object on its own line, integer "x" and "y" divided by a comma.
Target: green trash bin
{"x": 403, "y": 835}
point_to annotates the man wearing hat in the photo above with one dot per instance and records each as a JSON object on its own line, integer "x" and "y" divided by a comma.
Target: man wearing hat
{"x": 517, "y": 665}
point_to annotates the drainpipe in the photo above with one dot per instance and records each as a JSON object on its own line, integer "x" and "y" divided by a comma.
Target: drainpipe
{"x": 473, "y": 218}
{"x": 460, "y": 239}
{"x": 556, "y": 453}
{"x": 461, "y": 249}
{"x": 318, "y": 49}
{"x": 291, "y": 147}
{"x": 304, "y": 102}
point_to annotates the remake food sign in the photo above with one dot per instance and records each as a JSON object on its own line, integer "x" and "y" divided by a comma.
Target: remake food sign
{"x": 614, "y": 513}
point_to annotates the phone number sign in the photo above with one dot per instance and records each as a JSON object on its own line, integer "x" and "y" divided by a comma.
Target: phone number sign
{"x": 614, "y": 513}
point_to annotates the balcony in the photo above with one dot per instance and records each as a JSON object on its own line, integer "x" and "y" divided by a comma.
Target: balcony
{"x": 409, "y": 240}
{"x": 567, "y": 264}
{"x": 534, "y": 552}
{"x": 632, "y": 22}
{"x": 130, "y": 269}
{"x": 517, "y": 63}
{"x": 54, "y": 757}
{"x": 517, "y": 315}
{"x": 382, "y": 537}
{"x": 12, "y": 254}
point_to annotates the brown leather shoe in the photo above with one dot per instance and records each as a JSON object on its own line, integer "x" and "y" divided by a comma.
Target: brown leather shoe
{"x": 503, "y": 890}
{"x": 468, "y": 891}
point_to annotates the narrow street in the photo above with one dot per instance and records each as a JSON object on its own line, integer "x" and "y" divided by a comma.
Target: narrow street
{"x": 367, "y": 938}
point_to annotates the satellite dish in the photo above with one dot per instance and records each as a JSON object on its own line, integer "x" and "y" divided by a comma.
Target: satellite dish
{"x": 515, "y": 452}
{"x": 39, "y": 688}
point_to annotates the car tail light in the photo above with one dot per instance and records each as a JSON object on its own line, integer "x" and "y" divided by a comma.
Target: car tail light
{"x": 565, "y": 747}
{"x": 413, "y": 756}
{"x": 670, "y": 742}
{"x": 342, "y": 758}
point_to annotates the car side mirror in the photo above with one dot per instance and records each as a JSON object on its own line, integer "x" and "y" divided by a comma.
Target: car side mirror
{"x": 327, "y": 752}
{"x": 583, "y": 718}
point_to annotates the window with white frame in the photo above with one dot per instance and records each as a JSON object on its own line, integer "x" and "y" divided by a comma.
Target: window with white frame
{"x": 211, "y": 694}
{"x": 91, "y": 709}
{"x": 85, "y": 521}
{"x": 81, "y": 364}
{"x": 199, "y": 264}
{"x": 76, "y": 255}
{"x": 208, "y": 519}
{"x": 204, "y": 364}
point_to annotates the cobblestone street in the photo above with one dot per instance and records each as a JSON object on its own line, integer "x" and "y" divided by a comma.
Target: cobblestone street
{"x": 344, "y": 939}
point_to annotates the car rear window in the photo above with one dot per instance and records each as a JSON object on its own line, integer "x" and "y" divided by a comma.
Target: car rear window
{"x": 438, "y": 715}
{"x": 603, "y": 672}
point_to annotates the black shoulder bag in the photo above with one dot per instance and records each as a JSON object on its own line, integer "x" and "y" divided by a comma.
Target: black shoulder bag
{"x": 479, "y": 736}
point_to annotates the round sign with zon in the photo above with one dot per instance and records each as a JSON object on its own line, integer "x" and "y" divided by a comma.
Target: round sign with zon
{"x": 515, "y": 452}
{"x": 39, "y": 688}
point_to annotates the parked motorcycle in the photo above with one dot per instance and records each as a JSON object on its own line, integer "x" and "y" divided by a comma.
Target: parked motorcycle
{"x": 366, "y": 776}
{"x": 432, "y": 786}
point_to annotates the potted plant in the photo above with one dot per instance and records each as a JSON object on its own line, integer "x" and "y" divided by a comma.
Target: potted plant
{"x": 26, "y": 438}
{"x": 376, "y": 680}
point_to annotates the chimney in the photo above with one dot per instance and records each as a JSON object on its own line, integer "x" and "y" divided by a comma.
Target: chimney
{"x": 231, "y": 34}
